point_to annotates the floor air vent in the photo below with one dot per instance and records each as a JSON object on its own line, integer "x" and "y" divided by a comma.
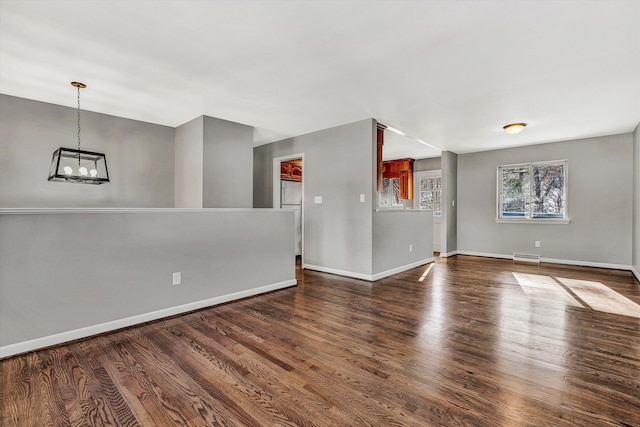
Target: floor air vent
{"x": 527, "y": 258}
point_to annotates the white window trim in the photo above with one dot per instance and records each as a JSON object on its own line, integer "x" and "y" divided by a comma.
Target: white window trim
{"x": 534, "y": 221}
{"x": 549, "y": 221}
{"x": 416, "y": 189}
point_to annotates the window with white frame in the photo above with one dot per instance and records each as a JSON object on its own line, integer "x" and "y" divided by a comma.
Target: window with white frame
{"x": 428, "y": 191}
{"x": 533, "y": 191}
{"x": 390, "y": 195}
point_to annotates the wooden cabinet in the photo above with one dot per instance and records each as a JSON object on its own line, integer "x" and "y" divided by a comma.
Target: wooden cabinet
{"x": 380, "y": 143}
{"x": 401, "y": 169}
{"x": 291, "y": 170}
{"x": 406, "y": 185}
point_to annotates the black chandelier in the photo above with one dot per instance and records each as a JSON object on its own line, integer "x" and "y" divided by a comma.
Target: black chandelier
{"x": 76, "y": 165}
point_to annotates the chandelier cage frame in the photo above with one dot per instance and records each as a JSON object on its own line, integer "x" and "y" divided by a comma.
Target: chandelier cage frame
{"x": 76, "y": 165}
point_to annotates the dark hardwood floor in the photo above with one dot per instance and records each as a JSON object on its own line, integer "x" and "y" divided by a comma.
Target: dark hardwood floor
{"x": 461, "y": 342}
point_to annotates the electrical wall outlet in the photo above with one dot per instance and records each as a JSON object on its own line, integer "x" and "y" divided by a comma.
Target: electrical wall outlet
{"x": 362, "y": 198}
{"x": 410, "y": 248}
{"x": 537, "y": 243}
{"x": 177, "y": 278}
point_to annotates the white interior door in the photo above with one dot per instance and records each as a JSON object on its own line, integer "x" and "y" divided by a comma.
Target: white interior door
{"x": 427, "y": 187}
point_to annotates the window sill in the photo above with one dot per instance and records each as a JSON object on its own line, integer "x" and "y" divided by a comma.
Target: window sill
{"x": 533, "y": 221}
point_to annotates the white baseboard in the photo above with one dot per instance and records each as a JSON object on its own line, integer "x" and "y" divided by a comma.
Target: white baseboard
{"x": 397, "y": 270}
{"x": 369, "y": 277}
{"x": 635, "y": 273}
{"x": 554, "y": 261}
{"x": 448, "y": 254}
{"x": 338, "y": 272}
{"x": 37, "y": 343}
{"x": 484, "y": 254}
{"x": 586, "y": 263}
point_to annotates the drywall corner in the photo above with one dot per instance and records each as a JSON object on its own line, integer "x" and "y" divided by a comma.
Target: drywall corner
{"x": 449, "y": 165}
{"x": 188, "y": 164}
{"x": 227, "y": 178}
{"x": 636, "y": 203}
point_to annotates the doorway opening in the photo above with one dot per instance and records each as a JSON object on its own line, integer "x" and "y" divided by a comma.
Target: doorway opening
{"x": 288, "y": 193}
{"x": 428, "y": 196}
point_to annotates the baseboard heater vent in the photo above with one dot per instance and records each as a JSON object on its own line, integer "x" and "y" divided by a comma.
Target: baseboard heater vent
{"x": 527, "y": 258}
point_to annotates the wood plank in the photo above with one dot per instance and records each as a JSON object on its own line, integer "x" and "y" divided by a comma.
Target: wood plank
{"x": 465, "y": 345}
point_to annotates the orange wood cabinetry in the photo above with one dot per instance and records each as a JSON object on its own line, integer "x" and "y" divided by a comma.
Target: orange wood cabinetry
{"x": 406, "y": 185}
{"x": 291, "y": 170}
{"x": 380, "y": 143}
{"x": 401, "y": 169}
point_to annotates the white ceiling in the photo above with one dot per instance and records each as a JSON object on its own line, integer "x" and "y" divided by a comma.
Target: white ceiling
{"x": 450, "y": 73}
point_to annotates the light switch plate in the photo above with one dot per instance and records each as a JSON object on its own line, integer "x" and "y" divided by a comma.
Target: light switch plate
{"x": 317, "y": 200}
{"x": 362, "y": 198}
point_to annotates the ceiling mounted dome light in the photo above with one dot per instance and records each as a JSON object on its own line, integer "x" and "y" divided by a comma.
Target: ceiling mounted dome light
{"x": 75, "y": 165}
{"x": 514, "y": 128}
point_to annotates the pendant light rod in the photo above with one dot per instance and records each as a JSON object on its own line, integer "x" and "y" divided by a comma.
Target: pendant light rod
{"x": 79, "y": 86}
{"x": 76, "y": 165}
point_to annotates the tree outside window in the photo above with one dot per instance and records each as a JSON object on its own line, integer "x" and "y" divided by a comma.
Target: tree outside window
{"x": 532, "y": 191}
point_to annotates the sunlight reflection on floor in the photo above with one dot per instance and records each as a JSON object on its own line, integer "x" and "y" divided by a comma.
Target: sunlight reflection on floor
{"x": 602, "y": 298}
{"x": 426, "y": 272}
{"x": 536, "y": 285}
{"x": 593, "y": 295}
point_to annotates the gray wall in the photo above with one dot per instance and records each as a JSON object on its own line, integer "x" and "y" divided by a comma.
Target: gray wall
{"x": 394, "y": 231}
{"x": 81, "y": 269}
{"x": 636, "y": 201}
{"x": 188, "y": 164}
{"x": 600, "y": 178}
{"x": 338, "y": 165}
{"x": 449, "y": 242}
{"x": 227, "y": 164}
{"x": 140, "y": 157}
{"x": 430, "y": 164}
